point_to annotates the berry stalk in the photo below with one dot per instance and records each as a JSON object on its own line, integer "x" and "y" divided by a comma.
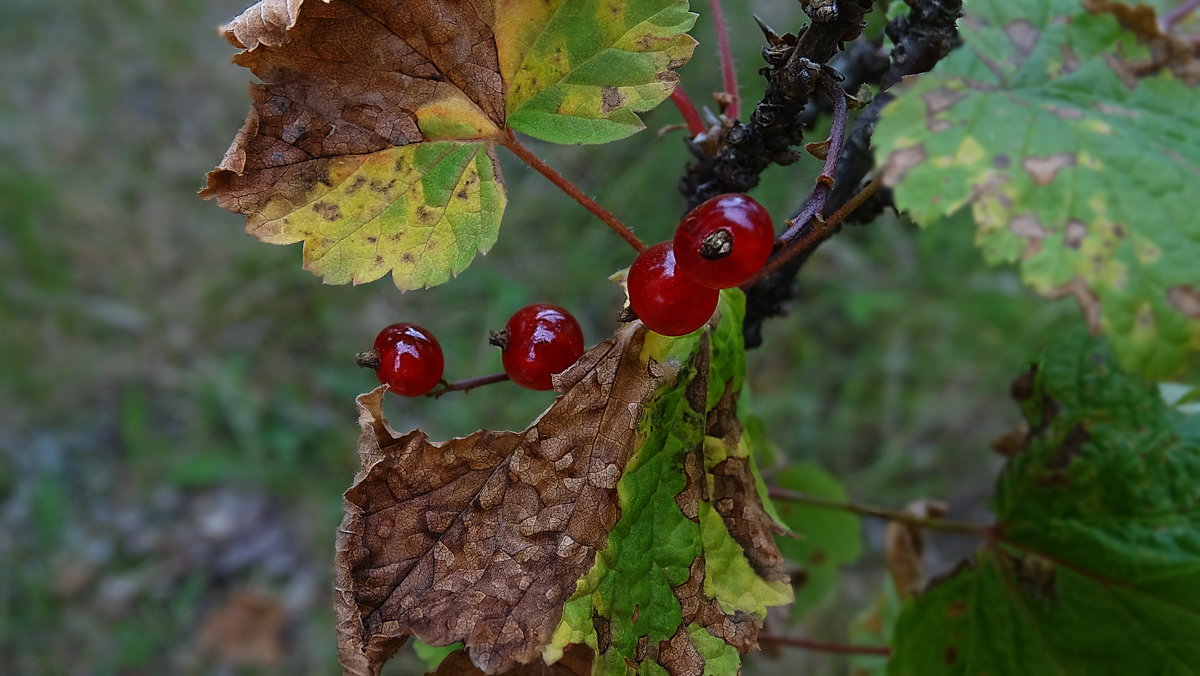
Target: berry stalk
{"x": 468, "y": 384}
{"x": 528, "y": 157}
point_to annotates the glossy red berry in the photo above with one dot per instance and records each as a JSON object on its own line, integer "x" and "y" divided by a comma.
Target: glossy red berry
{"x": 538, "y": 341}
{"x": 410, "y": 359}
{"x": 666, "y": 300}
{"x": 724, "y": 241}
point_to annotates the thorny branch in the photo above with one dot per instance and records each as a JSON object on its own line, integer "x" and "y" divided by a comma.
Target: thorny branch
{"x": 815, "y": 205}
{"x": 795, "y": 69}
{"x": 733, "y": 162}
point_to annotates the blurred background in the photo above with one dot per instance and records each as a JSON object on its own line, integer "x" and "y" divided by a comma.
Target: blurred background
{"x": 176, "y": 399}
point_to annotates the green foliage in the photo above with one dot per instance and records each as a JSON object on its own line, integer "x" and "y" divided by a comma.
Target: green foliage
{"x": 824, "y": 540}
{"x": 655, "y": 547}
{"x": 433, "y": 655}
{"x": 1096, "y": 563}
{"x": 874, "y": 627}
{"x": 588, "y": 67}
{"x": 1071, "y": 163}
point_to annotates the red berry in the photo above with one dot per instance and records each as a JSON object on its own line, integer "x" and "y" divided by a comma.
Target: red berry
{"x": 410, "y": 359}
{"x": 541, "y": 340}
{"x": 666, "y": 300}
{"x": 724, "y": 241}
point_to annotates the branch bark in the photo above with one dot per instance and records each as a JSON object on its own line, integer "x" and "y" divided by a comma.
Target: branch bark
{"x": 922, "y": 37}
{"x": 794, "y": 66}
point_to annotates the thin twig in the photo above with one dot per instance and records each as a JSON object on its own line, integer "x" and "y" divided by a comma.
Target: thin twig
{"x": 816, "y": 234}
{"x": 837, "y": 137}
{"x": 880, "y": 513}
{"x": 517, "y": 148}
{"x": 468, "y": 384}
{"x": 688, "y": 109}
{"x": 826, "y": 647}
{"x": 1178, "y": 14}
{"x": 728, "y": 74}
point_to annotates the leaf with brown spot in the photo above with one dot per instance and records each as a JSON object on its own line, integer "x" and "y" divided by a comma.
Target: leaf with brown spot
{"x": 371, "y": 135}
{"x": 1094, "y": 563}
{"x": 522, "y": 545}
{"x": 1070, "y": 142}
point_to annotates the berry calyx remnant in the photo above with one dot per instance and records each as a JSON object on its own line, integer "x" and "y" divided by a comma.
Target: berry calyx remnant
{"x": 410, "y": 359}
{"x": 538, "y": 341}
{"x": 724, "y": 241}
{"x": 667, "y": 301}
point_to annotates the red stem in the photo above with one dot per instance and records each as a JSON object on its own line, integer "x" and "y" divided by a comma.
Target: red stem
{"x": 510, "y": 141}
{"x": 688, "y": 110}
{"x": 468, "y": 384}
{"x": 825, "y": 647}
{"x": 728, "y": 74}
{"x": 1178, "y": 14}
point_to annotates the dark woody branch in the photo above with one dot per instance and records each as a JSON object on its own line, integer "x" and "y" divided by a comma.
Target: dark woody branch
{"x": 921, "y": 38}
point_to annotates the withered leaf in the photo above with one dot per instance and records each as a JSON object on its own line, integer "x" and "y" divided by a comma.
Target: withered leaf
{"x": 612, "y": 523}
{"x": 576, "y": 661}
{"x": 481, "y": 539}
{"x": 371, "y": 136}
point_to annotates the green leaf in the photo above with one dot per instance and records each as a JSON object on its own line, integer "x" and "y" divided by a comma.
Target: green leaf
{"x": 825, "y": 539}
{"x": 1070, "y": 164}
{"x": 585, "y": 67}
{"x": 874, "y": 627}
{"x": 675, "y": 569}
{"x": 1096, "y": 564}
{"x": 371, "y": 136}
{"x": 431, "y": 655}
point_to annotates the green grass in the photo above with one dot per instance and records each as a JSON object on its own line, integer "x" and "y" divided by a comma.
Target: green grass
{"x": 150, "y": 346}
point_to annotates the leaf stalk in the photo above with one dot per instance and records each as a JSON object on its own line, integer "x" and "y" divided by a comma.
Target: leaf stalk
{"x": 528, "y": 157}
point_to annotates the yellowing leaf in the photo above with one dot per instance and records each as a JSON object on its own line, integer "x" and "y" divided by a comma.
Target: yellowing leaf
{"x": 371, "y": 136}
{"x": 418, "y": 211}
{"x": 578, "y": 70}
{"x": 1072, "y": 143}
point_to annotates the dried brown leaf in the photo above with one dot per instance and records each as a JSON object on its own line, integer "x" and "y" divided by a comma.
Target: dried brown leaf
{"x": 903, "y": 546}
{"x": 481, "y": 539}
{"x": 576, "y": 661}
